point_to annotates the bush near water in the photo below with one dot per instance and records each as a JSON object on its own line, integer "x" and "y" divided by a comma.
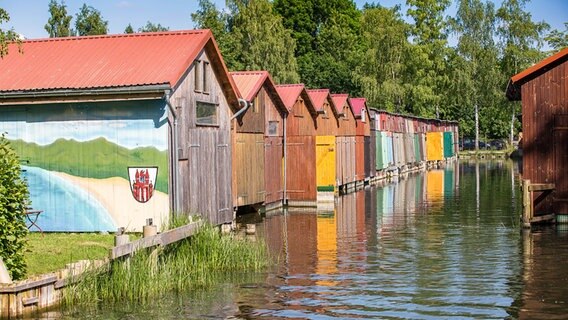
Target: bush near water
{"x": 198, "y": 261}
{"x": 14, "y": 197}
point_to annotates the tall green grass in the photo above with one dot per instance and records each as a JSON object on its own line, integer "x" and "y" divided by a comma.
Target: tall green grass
{"x": 199, "y": 261}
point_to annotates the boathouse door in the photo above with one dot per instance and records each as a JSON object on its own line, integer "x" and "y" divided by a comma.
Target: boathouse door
{"x": 560, "y": 146}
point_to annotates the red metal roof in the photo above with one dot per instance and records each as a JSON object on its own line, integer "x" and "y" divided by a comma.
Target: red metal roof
{"x": 249, "y": 82}
{"x": 318, "y": 97}
{"x": 102, "y": 61}
{"x": 289, "y": 93}
{"x": 339, "y": 99}
{"x": 358, "y": 104}
{"x": 541, "y": 65}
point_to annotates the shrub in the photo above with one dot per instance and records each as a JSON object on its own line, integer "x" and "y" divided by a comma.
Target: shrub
{"x": 13, "y": 200}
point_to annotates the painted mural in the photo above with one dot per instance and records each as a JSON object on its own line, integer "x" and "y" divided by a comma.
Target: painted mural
{"x": 93, "y": 166}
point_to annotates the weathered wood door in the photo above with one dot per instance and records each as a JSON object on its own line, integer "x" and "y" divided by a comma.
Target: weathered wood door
{"x": 301, "y": 168}
{"x": 560, "y": 142}
{"x": 249, "y": 167}
{"x": 273, "y": 169}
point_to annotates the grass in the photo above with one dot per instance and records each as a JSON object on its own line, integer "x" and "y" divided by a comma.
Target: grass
{"x": 198, "y": 262}
{"x": 50, "y": 252}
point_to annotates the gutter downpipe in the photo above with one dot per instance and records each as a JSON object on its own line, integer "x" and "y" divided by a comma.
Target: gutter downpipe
{"x": 175, "y": 164}
{"x": 245, "y": 104}
{"x": 284, "y": 200}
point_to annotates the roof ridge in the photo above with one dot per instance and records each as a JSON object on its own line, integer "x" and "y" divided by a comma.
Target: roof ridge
{"x": 249, "y": 72}
{"x": 291, "y": 85}
{"x": 118, "y": 35}
{"x": 318, "y": 90}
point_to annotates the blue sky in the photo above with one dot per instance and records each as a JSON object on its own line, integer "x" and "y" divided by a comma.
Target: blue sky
{"x": 29, "y": 17}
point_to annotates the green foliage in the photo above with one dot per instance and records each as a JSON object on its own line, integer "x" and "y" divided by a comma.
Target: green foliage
{"x": 558, "y": 39}
{"x": 152, "y": 27}
{"x": 6, "y": 36}
{"x": 129, "y": 29}
{"x": 200, "y": 261}
{"x": 89, "y": 21}
{"x": 59, "y": 22}
{"x": 261, "y": 42}
{"x": 14, "y": 198}
{"x": 97, "y": 158}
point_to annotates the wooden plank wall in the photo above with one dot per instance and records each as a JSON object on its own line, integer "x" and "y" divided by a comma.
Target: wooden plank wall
{"x": 340, "y": 154}
{"x": 543, "y": 99}
{"x": 300, "y": 121}
{"x": 347, "y": 123}
{"x": 368, "y": 158}
{"x": 249, "y": 168}
{"x": 204, "y": 166}
{"x": 301, "y": 168}
{"x": 359, "y": 158}
{"x": 273, "y": 169}
{"x": 327, "y": 124}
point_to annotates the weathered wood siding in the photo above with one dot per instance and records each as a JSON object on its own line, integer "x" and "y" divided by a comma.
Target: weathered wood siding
{"x": 273, "y": 169}
{"x": 204, "y": 168}
{"x": 301, "y": 168}
{"x": 367, "y": 157}
{"x": 359, "y": 158}
{"x": 250, "y": 168}
{"x": 373, "y": 153}
{"x": 300, "y": 121}
{"x": 545, "y": 123}
{"x": 347, "y": 123}
{"x": 327, "y": 124}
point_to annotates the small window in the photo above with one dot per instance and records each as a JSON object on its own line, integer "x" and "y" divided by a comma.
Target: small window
{"x": 207, "y": 113}
{"x": 205, "y": 77}
{"x": 272, "y": 128}
{"x": 197, "y": 75}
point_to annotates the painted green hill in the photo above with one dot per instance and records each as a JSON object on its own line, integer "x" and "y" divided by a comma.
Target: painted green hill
{"x": 97, "y": 158}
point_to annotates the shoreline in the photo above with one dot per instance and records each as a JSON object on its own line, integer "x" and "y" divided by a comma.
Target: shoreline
{"x": 115, "y": 195}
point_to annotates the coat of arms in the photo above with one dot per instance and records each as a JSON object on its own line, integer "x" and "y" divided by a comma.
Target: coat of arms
{"x": 142, "y": 182}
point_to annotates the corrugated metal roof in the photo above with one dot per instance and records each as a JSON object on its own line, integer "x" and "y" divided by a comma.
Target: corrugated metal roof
{"x": 339, "y": 99}
{"x": 249, "y": 82}
{"x": 542, "y": 64}
{"x": 101, "y": 61}
{"x": 289, "y": 93}
{"x": 318, "y": 97}
{"x": 358, "y": 104}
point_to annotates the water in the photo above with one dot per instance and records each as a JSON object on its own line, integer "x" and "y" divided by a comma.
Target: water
{"x": 436, "y": 245}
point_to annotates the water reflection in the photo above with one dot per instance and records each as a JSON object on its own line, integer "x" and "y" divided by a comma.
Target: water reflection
{"x": 440, "y": 244}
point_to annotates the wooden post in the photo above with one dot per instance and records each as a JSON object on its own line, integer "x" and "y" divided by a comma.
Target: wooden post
{"x": 149, "y": 229}
{"x": 527, "y": 204}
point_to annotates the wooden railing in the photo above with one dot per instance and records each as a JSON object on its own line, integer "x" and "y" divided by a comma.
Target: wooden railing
{"x": 528, "y": 188}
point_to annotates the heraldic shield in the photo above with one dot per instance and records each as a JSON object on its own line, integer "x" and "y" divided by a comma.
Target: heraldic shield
{"x": 142, "y": 182}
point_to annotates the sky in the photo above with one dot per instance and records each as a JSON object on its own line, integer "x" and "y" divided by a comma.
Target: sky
{"x": 30, "y": 16}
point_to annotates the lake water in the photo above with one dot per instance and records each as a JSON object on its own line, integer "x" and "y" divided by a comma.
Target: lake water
{"x": 435, "y": 245}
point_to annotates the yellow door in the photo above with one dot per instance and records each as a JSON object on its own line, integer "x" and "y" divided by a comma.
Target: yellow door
{"x": 435, "y": 146}
{"x": 325, "y": 163}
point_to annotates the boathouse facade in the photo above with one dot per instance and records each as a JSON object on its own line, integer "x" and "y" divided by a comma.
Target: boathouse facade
{"x": 113, "y": 130}
{"x": 543, "y": 92}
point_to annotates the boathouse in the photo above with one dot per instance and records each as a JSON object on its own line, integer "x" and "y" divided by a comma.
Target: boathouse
{"x": 259, "y": 147}
{"x": 300, "y": 157}
{"x": 113, "y": 130}
{"x": 543, "y": 92}
{"x": 327, "y": 125}
{"x": 345, "y": 142}
{"x": 362, "y": 138}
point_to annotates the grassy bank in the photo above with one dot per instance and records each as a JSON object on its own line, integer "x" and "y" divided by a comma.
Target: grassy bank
{"x": 50, "y": 252}
{"x": 195, "y": 262}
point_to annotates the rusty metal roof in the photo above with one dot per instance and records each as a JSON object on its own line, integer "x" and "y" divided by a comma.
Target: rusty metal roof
{"x": 358, "y": 104}
{"x": 513, "y": 90}
{"x": 250, "y": 82}
{"x": 107, "y": 61}
{"x": 289, "y": 93}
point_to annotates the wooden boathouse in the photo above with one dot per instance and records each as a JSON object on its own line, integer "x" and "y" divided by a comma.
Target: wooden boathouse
{"x": 345, "y": 142}
{"x": 362, "y": 138}
{"x": 259, "y": 147}
{"x": 132, "y": 127}
{"x": 543, "y": 92}
{"x": 300, "y": 159}
{"x": 327, "y": 125}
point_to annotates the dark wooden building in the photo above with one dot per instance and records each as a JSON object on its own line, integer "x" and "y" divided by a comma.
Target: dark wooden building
{"x": 259, "y": 147}
{"x": 300, "y": 157}
{"x": 543, "y": 92}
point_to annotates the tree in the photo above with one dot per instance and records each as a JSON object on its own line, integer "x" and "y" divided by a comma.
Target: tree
{"x": 89, "y": 22}
{"x": 261, "y": 42}
{"x": 558, "y": 39}
{"x": 129, "y": 29}
{"x": 13, "y": 201}
{"x": 151, "y": 27}
{"x": 6, "y": 36}
{"x": 426, "y": 69}
{"x": 521, "y": 40}
{"x": 381, "y": 70}
{"x": 59, "y": 23}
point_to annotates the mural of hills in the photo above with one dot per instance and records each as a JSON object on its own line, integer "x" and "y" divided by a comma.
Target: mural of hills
{"x": 98, "y": 158}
